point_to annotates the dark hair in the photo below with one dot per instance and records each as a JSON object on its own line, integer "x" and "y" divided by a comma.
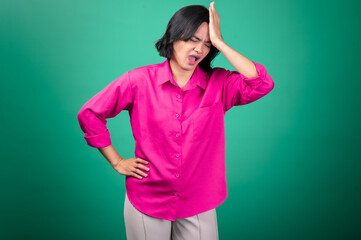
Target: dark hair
{"x": 183, "y": 24}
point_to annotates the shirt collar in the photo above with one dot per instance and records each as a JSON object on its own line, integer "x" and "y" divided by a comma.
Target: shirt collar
{"x": 198, "y": 77}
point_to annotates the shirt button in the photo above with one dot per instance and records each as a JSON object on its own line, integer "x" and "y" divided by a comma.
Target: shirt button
{"x": 177, "y": 135}
{"x": 178, "y": 96}
{"x": 177, "y": 175}
{"x": 177, "y": 155}
{"x": 177, "y": 115}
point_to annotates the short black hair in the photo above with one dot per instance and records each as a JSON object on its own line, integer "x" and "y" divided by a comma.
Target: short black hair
{"x": 182, "y": 26}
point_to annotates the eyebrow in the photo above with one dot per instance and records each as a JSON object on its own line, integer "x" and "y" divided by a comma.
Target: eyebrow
{"x": 201, "y": 39}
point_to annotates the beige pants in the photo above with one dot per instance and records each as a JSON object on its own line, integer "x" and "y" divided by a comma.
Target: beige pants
{"x": 140, "y": 226}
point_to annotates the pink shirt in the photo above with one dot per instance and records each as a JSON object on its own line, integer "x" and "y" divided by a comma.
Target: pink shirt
{"x": 179, "y": 131}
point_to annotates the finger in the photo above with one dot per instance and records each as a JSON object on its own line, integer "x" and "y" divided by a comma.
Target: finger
{"x": 137, "y": 176}
{"x": 141, "y": 173}
{"x": 142, "y": 167}
{"x": 215, "y": 17}
{"x": 214, "y": 12}
{"x": 142, "y": 160}
{"x": 211, "y": 15}
{"x": 136, "y": 173}
{"x": 214, "y": 9}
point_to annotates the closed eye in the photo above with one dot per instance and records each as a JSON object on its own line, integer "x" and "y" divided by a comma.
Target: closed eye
{"x": 193, "y": 39}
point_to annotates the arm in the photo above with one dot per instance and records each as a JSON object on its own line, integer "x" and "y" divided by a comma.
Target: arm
{"x": 111, "y": 155}
{"x": 250, "y": 82}
{"x": 242, "y": 64}
{"x": 108, "y": 103}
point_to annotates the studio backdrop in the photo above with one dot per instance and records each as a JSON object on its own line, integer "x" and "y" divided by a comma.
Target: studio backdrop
{"x": 292, "y": 157}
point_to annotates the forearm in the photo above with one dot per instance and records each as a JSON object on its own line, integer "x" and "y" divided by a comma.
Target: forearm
{"x": 111, "y": 155}
{"x": 242, "y": 64}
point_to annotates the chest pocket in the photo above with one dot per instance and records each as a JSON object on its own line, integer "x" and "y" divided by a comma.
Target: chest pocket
{"x": 207, "y": 122}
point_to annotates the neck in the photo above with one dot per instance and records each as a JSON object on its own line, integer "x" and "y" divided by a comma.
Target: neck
{"x": 179, "y": 73}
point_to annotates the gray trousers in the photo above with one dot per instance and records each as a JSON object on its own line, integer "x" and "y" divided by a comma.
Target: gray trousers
{"x": 140, "y": 226}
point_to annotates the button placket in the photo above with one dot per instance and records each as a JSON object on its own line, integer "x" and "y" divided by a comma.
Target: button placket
{"x": 177, "y": 134}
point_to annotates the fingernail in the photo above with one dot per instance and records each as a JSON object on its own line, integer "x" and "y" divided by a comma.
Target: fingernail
{"x": 146, "y": 162}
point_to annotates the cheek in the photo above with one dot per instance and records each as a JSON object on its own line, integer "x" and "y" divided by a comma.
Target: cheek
{"x": 207, "y": 52}
{"x": 177, "y": 49}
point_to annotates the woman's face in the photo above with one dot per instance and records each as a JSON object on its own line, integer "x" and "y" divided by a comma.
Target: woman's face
{"x": 188, "y": 54}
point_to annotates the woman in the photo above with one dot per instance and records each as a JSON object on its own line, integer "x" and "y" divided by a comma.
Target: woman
{"x": 176, "y": 109}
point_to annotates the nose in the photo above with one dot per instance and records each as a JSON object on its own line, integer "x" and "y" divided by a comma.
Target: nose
{"x": 199, "y": 48}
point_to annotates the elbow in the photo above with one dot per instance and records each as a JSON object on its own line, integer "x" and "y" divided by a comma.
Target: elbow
{"x": 83, "y": 114}
{"x": 80, "y": 115}
{"x": 268, "y": 84}
{"x": 272, "y": 85}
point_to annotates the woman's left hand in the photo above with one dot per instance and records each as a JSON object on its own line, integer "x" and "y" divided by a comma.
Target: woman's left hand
{"x": 214, "y": 26}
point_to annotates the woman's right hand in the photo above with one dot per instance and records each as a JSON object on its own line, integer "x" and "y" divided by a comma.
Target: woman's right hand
{"x": 132, "y": 167}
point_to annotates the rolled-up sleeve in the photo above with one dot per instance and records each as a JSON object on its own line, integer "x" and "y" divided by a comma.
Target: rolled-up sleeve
{"x": 240, "y": 90}
{"x": 107, "y": 103}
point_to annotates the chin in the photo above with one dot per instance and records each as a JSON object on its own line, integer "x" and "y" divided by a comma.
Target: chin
{"x": 189, "y": 67}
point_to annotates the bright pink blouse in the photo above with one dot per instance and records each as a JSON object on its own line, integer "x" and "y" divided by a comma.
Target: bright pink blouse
{"x": 179, "y": 131}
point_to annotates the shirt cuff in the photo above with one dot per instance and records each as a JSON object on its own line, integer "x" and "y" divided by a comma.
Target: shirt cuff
{"x": 99, "y": 141}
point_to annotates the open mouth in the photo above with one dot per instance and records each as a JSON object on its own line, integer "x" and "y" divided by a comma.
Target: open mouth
{"x": 193, "y": 59}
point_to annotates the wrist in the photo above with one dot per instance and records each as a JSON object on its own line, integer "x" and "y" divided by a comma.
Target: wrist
{"x": 119, "y": 160}
{"x": 219, "y": 44}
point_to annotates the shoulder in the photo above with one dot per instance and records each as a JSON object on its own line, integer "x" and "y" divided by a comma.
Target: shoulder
{"x": 146, "y": 68}
{"x": 144, "y": 75}
{"x": 218, "y": 70}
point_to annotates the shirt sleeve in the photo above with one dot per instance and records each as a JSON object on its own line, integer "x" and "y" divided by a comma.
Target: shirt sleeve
{"x": 240, "y": 90}
{"x": 107, "y": 103}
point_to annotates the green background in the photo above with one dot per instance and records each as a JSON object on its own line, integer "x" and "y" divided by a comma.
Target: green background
{"x": 292, "y": 157}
